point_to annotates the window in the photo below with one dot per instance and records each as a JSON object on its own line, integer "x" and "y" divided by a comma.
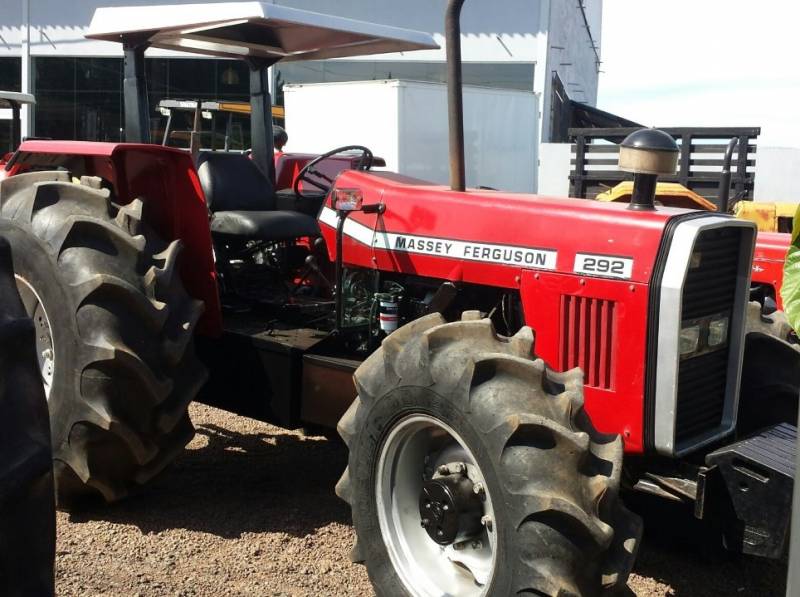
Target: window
{"x": 81, "y": 98}
{"x": 10, "y": 80}
{"x": 199, "y": 79}
{"x": 11, "y": 74}
{"x": 78, "y": 98}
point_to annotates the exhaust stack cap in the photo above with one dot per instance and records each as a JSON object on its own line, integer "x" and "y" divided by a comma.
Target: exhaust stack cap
{"x": 647, "y": 153}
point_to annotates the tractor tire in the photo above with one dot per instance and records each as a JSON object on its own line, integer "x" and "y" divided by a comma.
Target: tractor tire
{"x": 28, "y": 520}
{"x": 455, "y": 404}
{"x": 775, "y": 324}
{"x": 114, "y": 332}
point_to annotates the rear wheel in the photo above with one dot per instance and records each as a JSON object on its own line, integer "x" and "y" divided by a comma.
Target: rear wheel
{"x": 28, "y": 520}
{"x": 114, "y": 332}
{"x": 474, "y": 470}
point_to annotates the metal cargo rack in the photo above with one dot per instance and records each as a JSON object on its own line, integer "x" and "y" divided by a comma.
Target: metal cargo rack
{"x": 594, "y": 160}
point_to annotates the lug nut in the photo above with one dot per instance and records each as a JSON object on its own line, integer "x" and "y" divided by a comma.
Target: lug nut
{"x": 424, "y": 523}
{"x": 477, "y": 545}
{"x": 478, "y": 489}
{"x": 486, "y": 521}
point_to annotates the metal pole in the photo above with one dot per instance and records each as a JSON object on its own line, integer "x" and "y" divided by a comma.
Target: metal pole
{"x": 26, "y": 123}
{"x": 134, "y": 89}
{"x": 455, "y": 98}
{"x": 261, "y": 136}
{"x": 15, "y": 122}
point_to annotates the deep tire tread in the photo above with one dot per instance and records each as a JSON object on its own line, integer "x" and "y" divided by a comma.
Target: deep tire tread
{"x": 134, "y": 322}
{"x": 538, "y": 422}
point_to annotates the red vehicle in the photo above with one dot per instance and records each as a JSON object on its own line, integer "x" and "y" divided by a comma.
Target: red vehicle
{"x": 475, "y": 469}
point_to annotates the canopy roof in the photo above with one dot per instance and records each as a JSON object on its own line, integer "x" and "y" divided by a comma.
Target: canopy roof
{"x": 9, "y": 98}
{"x": 251, "y": 29}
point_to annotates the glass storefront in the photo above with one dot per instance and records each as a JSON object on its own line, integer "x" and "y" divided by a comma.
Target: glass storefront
{"x": 81, "y": 97}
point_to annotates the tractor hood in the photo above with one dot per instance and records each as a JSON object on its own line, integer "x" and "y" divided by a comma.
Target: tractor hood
{"x": 488, "y": 237}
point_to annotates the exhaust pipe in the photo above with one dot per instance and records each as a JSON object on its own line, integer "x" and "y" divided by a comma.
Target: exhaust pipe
{"x": 724, "y": 191}
{"x": 455, "y": 98}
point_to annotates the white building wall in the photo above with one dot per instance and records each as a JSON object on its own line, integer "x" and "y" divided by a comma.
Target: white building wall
{"x": 776, "y": 174}
{"x": 489, "y": 35}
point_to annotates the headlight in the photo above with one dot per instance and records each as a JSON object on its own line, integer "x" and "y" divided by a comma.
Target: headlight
{"x": 717, "y": 332}
{"x": 690, "y": 339}
{"x": 704, "y": 335}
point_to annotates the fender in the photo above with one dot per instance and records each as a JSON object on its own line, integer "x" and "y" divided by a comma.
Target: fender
{"x": 166, "y": 181}
{"x": 768, "y": 261}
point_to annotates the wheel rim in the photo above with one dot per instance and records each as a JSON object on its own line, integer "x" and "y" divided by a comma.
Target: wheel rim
{"x": 418, "y": 448}
{"x": 45, "y": 349}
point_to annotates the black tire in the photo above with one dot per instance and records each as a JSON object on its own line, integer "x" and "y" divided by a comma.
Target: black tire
{"x": 561, "y": 527}
{"x": 28, "y": 518}
{"x": 122, "y": 325}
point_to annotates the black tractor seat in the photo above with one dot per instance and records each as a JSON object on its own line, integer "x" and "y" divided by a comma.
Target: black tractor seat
{"x": 242, "y": 201}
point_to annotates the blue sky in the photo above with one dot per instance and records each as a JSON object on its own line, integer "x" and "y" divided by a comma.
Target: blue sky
{"x": 704, "y": 63}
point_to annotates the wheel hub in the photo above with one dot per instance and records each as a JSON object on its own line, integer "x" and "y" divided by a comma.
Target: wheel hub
{"x": 44, "y": 334}
{"x": 450, "y": 508}
{"x": 426, "y": 472}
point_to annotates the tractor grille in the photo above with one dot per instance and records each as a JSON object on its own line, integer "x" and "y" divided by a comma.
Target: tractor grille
{"x": 587, "y": 332}
{"x": 709, "y": 290}
{"x": 701, "y": 394}
{"x": 711, "y": 287}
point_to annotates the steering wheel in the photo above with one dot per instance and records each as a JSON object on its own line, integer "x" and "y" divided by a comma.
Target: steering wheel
{"x": 322, "y": 181}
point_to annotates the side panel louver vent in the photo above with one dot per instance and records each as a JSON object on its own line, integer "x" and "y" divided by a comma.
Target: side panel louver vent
{"x": 587, "y": 338}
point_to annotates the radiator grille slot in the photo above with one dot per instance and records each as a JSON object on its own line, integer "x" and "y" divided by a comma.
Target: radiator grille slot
{"x": 701, "y": 394}
{"x": 587, "y": 338}
{"x": 710, "y": 289}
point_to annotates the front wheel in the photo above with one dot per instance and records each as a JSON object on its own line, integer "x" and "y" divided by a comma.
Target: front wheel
{"x": 474, "y": 470}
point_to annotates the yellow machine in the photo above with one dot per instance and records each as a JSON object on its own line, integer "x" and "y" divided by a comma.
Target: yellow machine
{"x": 769, "y": 217}
{"x": 671, "y": 194}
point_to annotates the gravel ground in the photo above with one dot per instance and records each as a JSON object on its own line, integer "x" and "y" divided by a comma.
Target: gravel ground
{"x": 249, "y": 509}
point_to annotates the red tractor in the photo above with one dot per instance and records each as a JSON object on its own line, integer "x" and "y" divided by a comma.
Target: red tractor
{"x": 475, "y": 469}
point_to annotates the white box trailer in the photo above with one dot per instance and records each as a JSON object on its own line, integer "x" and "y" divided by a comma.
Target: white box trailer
{"x": 405, "y": 122}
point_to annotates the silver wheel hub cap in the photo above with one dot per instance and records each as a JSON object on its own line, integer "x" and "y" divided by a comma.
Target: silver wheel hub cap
{"x": 420, "y": 451}
{"x": 45, "y": 349}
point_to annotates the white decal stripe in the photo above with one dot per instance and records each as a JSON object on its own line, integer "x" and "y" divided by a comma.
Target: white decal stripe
{"x": 455, "y": 249}
{"x": 353, "y": 229}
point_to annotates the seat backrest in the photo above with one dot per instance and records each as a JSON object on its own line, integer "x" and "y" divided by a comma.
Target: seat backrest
{"x": 232, "y": 182}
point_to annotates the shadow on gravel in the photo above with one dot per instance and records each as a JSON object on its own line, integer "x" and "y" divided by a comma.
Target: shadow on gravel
{"x": 682, "y": 552}
{"x": 240, "y": 483}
